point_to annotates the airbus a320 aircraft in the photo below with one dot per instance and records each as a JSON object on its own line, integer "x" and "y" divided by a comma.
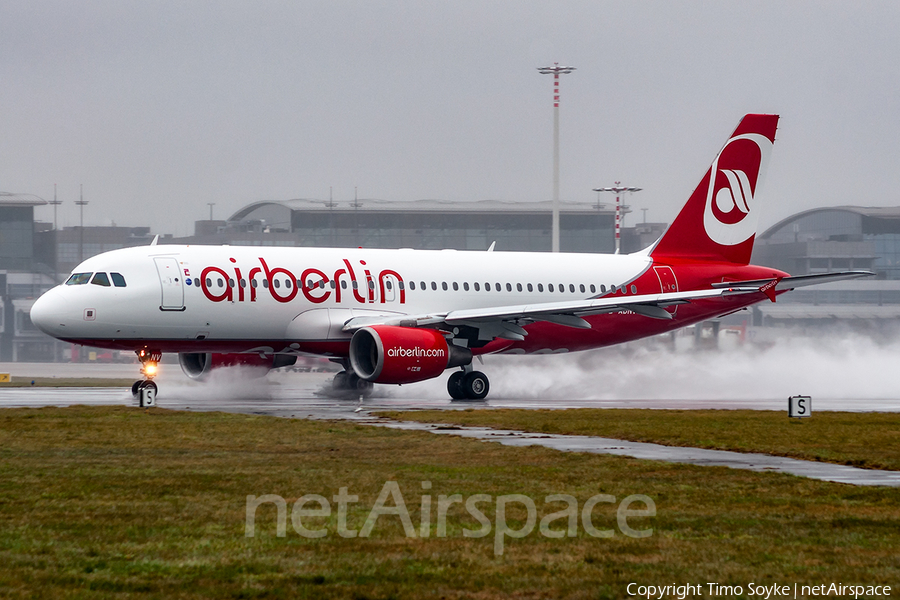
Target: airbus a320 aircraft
{"x": 402, "y": 316}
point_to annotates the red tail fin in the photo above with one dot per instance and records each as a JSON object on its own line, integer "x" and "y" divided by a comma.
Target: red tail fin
{"x": 718, "y": 222}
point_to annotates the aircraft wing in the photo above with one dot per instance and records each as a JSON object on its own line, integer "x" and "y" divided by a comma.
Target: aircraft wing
{"x": 498, "y": 321}
{"x": 790, "y": 283}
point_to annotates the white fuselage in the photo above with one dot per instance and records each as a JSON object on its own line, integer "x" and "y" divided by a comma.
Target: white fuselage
{"x": 214, "y": 296}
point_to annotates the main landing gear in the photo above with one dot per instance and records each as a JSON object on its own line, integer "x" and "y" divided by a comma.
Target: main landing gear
{"x": 145, "y": 390}
{"x": 471, "y": 385}
{"x": 348, "y": 381}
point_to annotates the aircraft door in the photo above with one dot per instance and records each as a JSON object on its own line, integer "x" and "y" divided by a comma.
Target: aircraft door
{"x": 171, "y": 281}
{"x": 667, "y": 283}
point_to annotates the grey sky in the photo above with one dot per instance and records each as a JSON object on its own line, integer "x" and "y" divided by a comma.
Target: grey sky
{"x": 160, "y": 107}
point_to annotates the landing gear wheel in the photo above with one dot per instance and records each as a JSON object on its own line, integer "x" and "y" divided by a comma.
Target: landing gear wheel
{"x": 339, "y": 383}
{"x": 455, "y": 385}
{"x": 143, "y": 384}
{"x": 140, "y": 389}
{"x": 475, "y": 385}
{"x": 356, "y": 384}
{"x": 146, "y": 385}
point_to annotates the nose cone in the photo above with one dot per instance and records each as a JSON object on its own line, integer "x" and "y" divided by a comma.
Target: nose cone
{"x": 48, "y": 313}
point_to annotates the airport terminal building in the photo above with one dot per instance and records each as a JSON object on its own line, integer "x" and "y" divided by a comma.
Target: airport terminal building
{"x": 423, "y": 224}
{"x": 837, "y": 238}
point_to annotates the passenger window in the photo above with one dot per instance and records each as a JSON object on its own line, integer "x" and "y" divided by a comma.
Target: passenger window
{"x": 444, "y": 286}
{"x": 266, "y": 283}
{"x": 572, "y": 288}
{"x": 230, "y": 282}
{"x": 634, "y": 289}
{"x": 581, "y": 288}
{"x": 434, "y": 286}
{"x": 100, "y": 279}
{"x": 602, "y": 289}
{"x": 422, "y": 285}
{"x": 253, "y": 283}
{"x": 530, "y": 288}
{"x": 477, "y": 287}
{"x": 487, "y": 287}
{"x": 466, "y": 286}
{"x": 117, "y": 279}
{"x": 343, "y": 285}
{"x": 276, "y": 283}
{"x": 562, "y": 288}
{"x": 455, "y": 287}
{"x": 287, "y": 283}
{"x": 540, "y": 287}
{"x": 208, "y": 282}
{"x": 400, "y": 284}
{"x": 549, "y": 287}
{"x": 388, "y": 284}
{"x": 412, "y": 285}
{"x": 508, "y": 287}
{"x": 593, "y": 289}
{"x": 78, "y": 279}
{"x": 243, "y": 283}
{"x": 497, "y": 287}
{"x": 519, "y": 287}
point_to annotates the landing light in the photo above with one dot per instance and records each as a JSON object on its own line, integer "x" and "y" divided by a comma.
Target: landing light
{"x": 150, "y": 370}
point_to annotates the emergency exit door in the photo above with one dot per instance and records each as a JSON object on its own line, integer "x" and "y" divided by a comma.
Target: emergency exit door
{"x": 171, "y": 281}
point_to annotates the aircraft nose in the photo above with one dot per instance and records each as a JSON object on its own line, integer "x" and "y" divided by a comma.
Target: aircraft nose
{"x": 48, "y": 313}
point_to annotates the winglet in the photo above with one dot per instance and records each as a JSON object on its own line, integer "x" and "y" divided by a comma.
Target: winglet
{"x": 769, "y": 288}
{"x": 155, "y": 240}
{"x": 491, "y": 249}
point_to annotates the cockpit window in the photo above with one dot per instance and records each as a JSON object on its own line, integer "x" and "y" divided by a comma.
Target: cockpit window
{"x": 118, "y": 280}
{"x": 78, "y": 279}
{"x": 100, "y": 279}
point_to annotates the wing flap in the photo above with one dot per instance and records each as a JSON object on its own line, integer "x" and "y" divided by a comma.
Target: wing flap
{"x": 567, "y": 313}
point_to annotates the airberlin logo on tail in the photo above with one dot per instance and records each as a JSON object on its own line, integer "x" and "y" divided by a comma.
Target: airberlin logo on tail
{"x": 729, "y": 218}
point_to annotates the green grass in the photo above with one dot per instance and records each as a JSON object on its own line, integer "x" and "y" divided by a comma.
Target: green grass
{"x": 119, "y": 502}
{"x": 867, "y": 440}
{"x": 17, "y": 381}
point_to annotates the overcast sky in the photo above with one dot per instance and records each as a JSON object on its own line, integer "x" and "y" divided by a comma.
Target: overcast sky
{"x": 161, "y": 107}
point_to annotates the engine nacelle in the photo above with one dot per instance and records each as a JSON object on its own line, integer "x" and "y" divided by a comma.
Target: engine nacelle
{"x": 390, "y": 354}
{"x": 198, "y": 365}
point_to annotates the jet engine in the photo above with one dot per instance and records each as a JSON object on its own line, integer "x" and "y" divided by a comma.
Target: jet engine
{"x": 390, "y": 354}
{"x": 198, "y": 365}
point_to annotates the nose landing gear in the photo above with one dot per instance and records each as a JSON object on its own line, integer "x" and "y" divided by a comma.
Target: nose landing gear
{"x": 145, "y": 390}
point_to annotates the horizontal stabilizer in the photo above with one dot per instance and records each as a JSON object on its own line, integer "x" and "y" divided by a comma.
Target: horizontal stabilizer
{"x": 798, "y": 281}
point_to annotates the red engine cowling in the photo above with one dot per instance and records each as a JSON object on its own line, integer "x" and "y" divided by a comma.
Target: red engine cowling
{"x": 389, "y": 354}
{"x": 198, "y": 365}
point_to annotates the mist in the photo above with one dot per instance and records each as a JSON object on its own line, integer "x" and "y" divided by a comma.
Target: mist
{"x": 836, "y": 365}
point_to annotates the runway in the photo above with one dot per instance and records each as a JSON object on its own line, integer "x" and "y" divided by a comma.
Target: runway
{"x": 304, "y": 395}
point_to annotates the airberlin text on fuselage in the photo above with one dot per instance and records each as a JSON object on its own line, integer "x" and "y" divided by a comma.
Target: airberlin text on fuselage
{"x": 314, "y": 284}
